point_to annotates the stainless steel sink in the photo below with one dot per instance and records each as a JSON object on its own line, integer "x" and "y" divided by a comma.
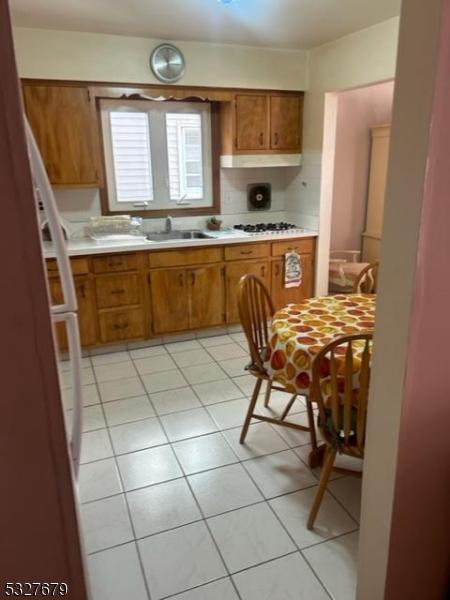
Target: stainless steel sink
{"x": 181, "y": 234}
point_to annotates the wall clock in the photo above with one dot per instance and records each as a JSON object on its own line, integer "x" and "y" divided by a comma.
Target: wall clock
{"x": 167, "y": 63}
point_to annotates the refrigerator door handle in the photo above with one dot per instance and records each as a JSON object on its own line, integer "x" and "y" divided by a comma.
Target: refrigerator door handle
{"x": 47, "y": 198}
{"x": 73, "y": 338}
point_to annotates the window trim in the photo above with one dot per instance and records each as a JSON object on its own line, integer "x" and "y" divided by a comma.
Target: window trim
{"x": 175, "y": 211}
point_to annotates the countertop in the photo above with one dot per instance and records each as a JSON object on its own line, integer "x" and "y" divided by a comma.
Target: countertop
{"x": 87, "y": 246}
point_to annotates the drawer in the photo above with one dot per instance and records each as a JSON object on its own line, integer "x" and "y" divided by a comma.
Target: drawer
{"x": 304, "y": 246}
{"x": 117, "y": 290}
{"x": 79, "y": 266}
{"x": 114, "y": 262}
{"x": 247, "y": 251}
{"x": 181, "y": 258}
{"x": 122, "y": 324}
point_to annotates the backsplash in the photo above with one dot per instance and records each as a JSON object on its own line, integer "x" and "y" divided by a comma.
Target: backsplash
{"x": 291, "y": 200}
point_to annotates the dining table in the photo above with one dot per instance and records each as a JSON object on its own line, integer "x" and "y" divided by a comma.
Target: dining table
{"x": 299, "y": 331}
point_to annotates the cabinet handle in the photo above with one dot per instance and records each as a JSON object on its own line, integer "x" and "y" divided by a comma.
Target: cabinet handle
{"x": 246, "y": 252}
{"x": 192, "y": 277}
{"x": 122, "y": 326}
{"x": 82, "y": 290}
{"x": 180, "y": 279}
{"x": 261, "y": 139}
{"x": 118, "y": 291}
{"x": 277, "y": 270}
{"x": 263, "y": 271}
{"x": 275, "y": 139}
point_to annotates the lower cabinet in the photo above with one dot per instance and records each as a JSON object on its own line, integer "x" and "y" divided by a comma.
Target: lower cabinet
{"x": 86, "y": 311}
{"x": 282, "y": 295}
{"x": 122, "y": 324}
{"x": 170, "y": 300}
{"x": 185, "y": 299}
{"x": 192, "y": 288}
{"x": 234, "y": 272}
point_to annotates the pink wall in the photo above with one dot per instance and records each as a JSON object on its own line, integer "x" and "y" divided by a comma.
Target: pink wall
{"x": 357, "y": 111}
{"x": 419, "y": 557}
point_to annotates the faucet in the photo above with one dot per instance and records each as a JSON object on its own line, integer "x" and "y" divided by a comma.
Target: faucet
{"x": 168, "y": 228}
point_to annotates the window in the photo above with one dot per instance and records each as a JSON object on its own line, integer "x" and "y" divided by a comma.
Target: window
{"x": 157, "y": 154}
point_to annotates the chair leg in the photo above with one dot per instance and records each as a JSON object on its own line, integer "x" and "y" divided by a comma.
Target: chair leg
{"x": 326, "y": 471}
{"x": 311, "y": 424}
{"x": 288, "y": 407}
{"x": 251, "y": 410}
{"x": 267, "y": 394}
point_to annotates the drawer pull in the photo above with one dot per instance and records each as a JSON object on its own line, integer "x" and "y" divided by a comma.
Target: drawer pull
{"x": 192, "y": 277}
{"x": 276, "y": 139}
{"x": 121, "y": 326}
{"x": 246, "y": 252}
{"x": 261, "y": 139}
{"x": 180, "y": 279}
{"x": 118, "y": 291}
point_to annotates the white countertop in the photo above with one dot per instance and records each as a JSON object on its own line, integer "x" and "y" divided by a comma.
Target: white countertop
{"x": 86, "y": 246}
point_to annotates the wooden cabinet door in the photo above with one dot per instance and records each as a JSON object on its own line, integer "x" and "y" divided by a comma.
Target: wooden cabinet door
{"x": 286, "y": 123}
{"x": 252, "y": 122}
{"x": 170, "y": 300}
{"x": 206, "y": 297}
{"x": 282, "y": 295}
{"x": 234, "y": 272}
{"x": 86, "y": 311}
{"x": 122, "y": 324}
{"x": 62, "y": 121}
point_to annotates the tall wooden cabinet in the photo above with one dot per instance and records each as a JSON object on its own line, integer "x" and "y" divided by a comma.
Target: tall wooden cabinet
{"x": 63, "y": 122}
{"x": 377, "y": 187}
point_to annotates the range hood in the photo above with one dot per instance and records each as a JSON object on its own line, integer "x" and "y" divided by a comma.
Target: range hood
{"x": 249, "y": 161}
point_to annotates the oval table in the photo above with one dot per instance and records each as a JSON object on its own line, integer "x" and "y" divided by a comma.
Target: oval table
{"x": 300, "y": 331}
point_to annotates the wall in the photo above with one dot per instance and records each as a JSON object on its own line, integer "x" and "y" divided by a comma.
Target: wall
{"x": 404, "y": 541}
{"x": 98, "y": 57}
{"x": 76, "y": 206}
{"x": 361, "y": 58}
{"x": 357, "y": 111}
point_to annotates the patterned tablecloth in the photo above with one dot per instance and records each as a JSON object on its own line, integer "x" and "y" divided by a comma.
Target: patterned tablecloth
{"x": 299, "y": 332}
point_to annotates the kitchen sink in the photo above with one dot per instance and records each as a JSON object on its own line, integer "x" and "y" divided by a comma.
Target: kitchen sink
{"x": 181, "y": 234}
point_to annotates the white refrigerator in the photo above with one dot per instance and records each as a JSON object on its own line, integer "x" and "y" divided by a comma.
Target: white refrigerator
{"x": 67, "y": 311}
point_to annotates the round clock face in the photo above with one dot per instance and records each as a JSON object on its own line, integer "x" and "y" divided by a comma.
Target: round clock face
{"x": 167, "y": 63}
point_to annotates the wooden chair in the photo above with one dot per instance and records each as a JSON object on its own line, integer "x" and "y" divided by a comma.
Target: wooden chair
{"x": 367, "y": 280}
{"x": 255, "y": 311}
{"x": 342, "y": 402}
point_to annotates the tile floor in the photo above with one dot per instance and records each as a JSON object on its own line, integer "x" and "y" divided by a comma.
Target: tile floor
{"x": 173, "y": 506}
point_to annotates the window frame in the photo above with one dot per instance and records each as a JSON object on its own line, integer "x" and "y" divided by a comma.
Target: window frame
{"x": 180, "y": 210}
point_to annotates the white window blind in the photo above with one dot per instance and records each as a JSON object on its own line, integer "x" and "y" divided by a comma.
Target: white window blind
{"x": 185, "y": 155}
{"x": 130, "y": 140}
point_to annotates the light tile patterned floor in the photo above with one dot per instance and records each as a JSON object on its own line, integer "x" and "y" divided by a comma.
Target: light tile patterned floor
{"x": 173, "y": 506}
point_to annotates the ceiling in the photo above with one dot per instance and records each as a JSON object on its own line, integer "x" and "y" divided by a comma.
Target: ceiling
{"x": 298, "y": 24}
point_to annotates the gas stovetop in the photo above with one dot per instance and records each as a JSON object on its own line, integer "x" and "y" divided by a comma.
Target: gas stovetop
{"x": 269, "y": 228}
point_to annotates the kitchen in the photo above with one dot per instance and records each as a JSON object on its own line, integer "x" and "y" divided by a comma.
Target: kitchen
{"x": 184, "y": 158}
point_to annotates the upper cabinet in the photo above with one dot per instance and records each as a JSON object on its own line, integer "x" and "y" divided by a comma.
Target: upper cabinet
{"x": 286, "y": 117}
{"x": 63, "y": 122}
{"x": 257, "y": 124}
{"x": 252, "y": 123}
